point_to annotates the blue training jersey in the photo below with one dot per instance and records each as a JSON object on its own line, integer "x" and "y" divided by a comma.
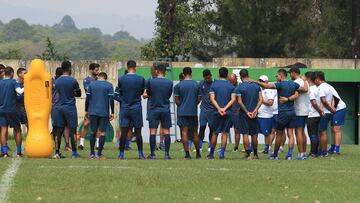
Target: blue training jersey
{"x": 100, "y": 92}
{"x": 223, "y": 91}
{"x": 65, "y": 86}
{"x": 189, "y": 92}
{"x": 159, "y": 90}
{"x": 8, "y": 95}
{"x": 87, "y": 81}
{"x": 56, "y": 103}
{"x": 20, "y": 98}
{"x": 249, "y": 93}
{"x": 206, "y": 105}
{"x": 131, "y": 88}
{"x": 286, "y": 89}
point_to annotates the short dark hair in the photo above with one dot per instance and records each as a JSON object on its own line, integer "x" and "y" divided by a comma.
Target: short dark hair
{"x": 244, "y": 73}
{"x": 131, "y": 64}
{"x": 310, "y": 75}
{"x": 282, "y": 71}
{"x": 161, "y": 67}
{"x": 299, "y": 65}
{"x": 223, "y": 72}
{"x": 187, "y": 71}
{"x": 9, "y": 70}
{"x": 58, "y": 72}
{"x": 2, "y": 66}
{"x": 19, "y": 70}
{"x": 66, "y": 66}
{"x": 181, "y": 76}
{"x": 206, "y": 72}
{"x": 320, "y": 75}
{"x": 103, "y": 75}
{"x": 92, "y": 66}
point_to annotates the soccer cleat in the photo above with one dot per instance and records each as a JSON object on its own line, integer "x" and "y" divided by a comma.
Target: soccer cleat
{"x": 265, "y": 151}
{"x": 288, "y": 157}
{"x": 141, "y": 157}
{"x": 5, "y": 155}
{"x": 167, "y": 157}
{"x": 121, "y": 157}
{"x": 255, "y": 157}
{"x": 281, "y": 150}
{"x": 210, "y": 157}
{"x": 273, "y": 157}
{"x": 221, "y": 157}
{"x": 312, "y": 156}
{"x": 236, "y": 149}
{"x": 152, "y": 157}
{"x": 75, "y": 156}
{"x": 92, "y": 156}
{"x": 67, "y": 148}
{"x": 187, "y": 157}
{"x": 323, "y": 155}
{"x": 19, "y": 155}
{"x": 162, "y": 146}
{"x": 198, "y": 156}
{"x": 128, "y": 148}
{"x": 80, "y": 147}
{"x": 58, "y": 156}
{"x": 247, "y": 157}
{"x": 100, "y": 157}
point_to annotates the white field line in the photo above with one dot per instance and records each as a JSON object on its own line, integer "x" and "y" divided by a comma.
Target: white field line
{"x": 190, "y": 168}
{"x": 7, "y": 179}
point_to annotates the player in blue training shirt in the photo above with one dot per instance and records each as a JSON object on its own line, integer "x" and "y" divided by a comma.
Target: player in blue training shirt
{"x": 94, "y": 71}
{"x": 187, "y": 97}
{"x": 206, "y": 107}
{"x": 158, "y": 91}
{"x": 235, "y": 110}
{"x": 131, "y": 87}
{"x": 9, "y": 89}
{"x": 287, "y": 93}
{"x": 250, "y": 99}
{"x": 222, "y": 96}
{"x": 68, "y": 88}
{"x": 99, "y": 101}
{"x": 20, "y": 104}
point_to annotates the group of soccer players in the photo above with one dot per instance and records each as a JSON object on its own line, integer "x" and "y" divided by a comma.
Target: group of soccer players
{"x": 250, "y": 107}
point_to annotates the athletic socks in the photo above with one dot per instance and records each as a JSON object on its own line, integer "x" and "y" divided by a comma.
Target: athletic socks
{"x": 101, "y": 145}
{"x": 255, "y": 151}
{"x": 222, "y": 151}
{"x": 127, "y": 143}
{"x": 18, "y": 149}
{"x": 187, "y": 153}
{"x": 82, "y": 141}
{"x": 248, "y": 152}
{"x": 290, "y": 152}
{"x": 314, "y": 143}
{"x": 4, "y": 149}
{"x": 152, "y": 141}
{"x": 266, "y": 147}
{"x": 337, "y": 149}
{"x": 121, "y": 154}
{"x": 201, "y": 144}
{"x": 92, "y": 143}
{"x": 212, "y": 149}
{"x": 167, "y": 140}
{"x": 190, "y": 144}
{"x": 97, "y": 142}
{"x": 332, "y": 148}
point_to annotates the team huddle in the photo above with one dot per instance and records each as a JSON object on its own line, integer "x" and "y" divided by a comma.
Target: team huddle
{"x": 276, "y": 110}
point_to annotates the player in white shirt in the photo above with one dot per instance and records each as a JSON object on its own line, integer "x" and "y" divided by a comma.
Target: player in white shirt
{"x": 266, "y": 114}
{"x": 335, "y": 112}
{"x": 301, "y": 105}
{"x": 315, "y": 114}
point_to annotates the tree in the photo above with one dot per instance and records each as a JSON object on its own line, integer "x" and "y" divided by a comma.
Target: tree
{"x": 16, "y": 29}
{"x": 50, "y": 52}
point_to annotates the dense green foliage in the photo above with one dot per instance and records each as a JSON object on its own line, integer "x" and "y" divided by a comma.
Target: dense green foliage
{"x": 19, "y": 40}
{"x": 251, "y": 28}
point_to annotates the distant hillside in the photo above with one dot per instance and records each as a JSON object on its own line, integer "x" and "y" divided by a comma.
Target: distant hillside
{"x": 19, "y": 40}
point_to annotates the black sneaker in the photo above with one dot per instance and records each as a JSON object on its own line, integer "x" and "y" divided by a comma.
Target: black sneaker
{"x": 198, "y": 156}
{"x": 19, "y": 155}
{"x": 210, "y": 157}
{"x": 5, "y": 155}
{"x": 187, "y": 157}
{"x": 80, "y": 147}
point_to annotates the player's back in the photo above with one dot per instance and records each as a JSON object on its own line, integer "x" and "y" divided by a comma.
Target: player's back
{"x": 286, "y": 88}
{"x": 160, "y": 93}
{"x": 222, "y": 90}
{"x": 206, "y": 104}
{"x": 131, "y": 87}
{"x": 188, "y": 91}
{"x": 100, "y": 91}
{"x": 65, "y": 86}
{"x": 8, "y": 95}
{"x": 249, "y": 93}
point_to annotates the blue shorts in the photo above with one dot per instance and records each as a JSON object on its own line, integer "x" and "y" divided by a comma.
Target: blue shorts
{"x": 273, "y": 121}
{"x": 67, "y": 118}
{"x": 285, "y": 119}
{"x": 187, "y": 121}
{"x": 9, "y": 119}
{"x": 131, "y": 118}
{"x": 235, "y": 120}
{"x": 300, "y": 121}
{"x": 324, "y": 121}
{"x": 205, "y": 118}
{"x": 22, "y": 116}
{"x": 155, "y": 118}
{"x": 248, "y": 126}
{"x": 265, "y": 125}
{"x": 221, "y": 124}
{"x": 55, "y": 116}
{"x": 338, "y": 118}
{"x": 98, "y": 123}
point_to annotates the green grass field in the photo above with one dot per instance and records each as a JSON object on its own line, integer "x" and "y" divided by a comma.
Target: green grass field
{"x": 332, "y": 179}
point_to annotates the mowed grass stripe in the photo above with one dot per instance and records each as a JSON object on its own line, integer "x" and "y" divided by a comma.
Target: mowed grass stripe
{"x": 7, "y": 178}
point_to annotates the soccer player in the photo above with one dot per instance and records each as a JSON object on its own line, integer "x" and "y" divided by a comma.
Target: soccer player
{"x": 335, "y": 112}
{"x": 68, "y": 88}
{"x": 131, "y": 87}
{"x": 206, "y": 107}
{"x": 94, "y": 71}
{"x": 99, "y": 101}
{"x": 187, "y": 97}
{"x": 250, "y": 99}
{"x": 266, "y": 114}
{"x": 9, "y": 89}
{"x": 2, "y": 70}
{"x": 301, "y": 105}
{"x": 159, "y": 90}
{"x": 286, "y": 111}
{"x": 235, "y": 109}
{"x": 222, "y": 96}
{"x": 20, "y": 104}
{"x": 315, "y": 114}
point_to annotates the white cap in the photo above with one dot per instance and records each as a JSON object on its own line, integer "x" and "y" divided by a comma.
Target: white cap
{"x": 264, "y": 78}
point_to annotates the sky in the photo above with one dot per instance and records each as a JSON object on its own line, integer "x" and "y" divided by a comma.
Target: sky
{"x": 134, "y": 16}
